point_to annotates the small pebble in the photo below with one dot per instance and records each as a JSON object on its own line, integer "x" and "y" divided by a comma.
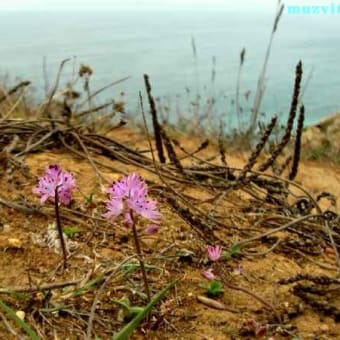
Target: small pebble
{"x": 14, "y": 242}
{"x": 211, "y": 303}
{"x": 6, "y": 228}
{"x": 20, "y": 314}
{"x": 324, "y": 328}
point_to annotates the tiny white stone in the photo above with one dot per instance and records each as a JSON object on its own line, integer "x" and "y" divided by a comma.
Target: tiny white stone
{"x": 6, "y": 228}
{"x": 20, "y": 314}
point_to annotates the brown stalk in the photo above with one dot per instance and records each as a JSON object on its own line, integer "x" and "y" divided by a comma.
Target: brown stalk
{"x": 201, "y": 147}
{"x": 237, "y": 99}
{"x": 95, "y": 93}
{"x": 277, "y": 18}
{"x": 39, "y": 288}
{"x": 259, "y": 147}
{"x": 297, "y": 147}
{"x": 13, "y": 90}
{"x": 221, "y": 145}
{"x": 140, "y": 255}
{"x": 261, "y": 81}
{"x": 185, "y": 213}
{"x": 156, "y": 125}
{"x": 280, "y": 169}
{"x": 59, "y": 228}
{"x": 171, "y": 151}
{"x": 95, "y": 109}
{"x": 289, "y": 126}
{"x": 54, "y": 90}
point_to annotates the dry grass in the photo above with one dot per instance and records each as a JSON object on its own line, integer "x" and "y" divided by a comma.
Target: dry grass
{"x": 282, "y": 237}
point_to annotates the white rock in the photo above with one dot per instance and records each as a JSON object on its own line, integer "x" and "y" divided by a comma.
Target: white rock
{"x": 20, "y": 314}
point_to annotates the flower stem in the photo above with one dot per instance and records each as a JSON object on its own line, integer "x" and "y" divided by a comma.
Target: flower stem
{"x": 60, "y": 230}
{"x": 140, "y": 256}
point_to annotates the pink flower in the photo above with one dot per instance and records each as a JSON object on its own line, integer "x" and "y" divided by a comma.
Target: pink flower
{"x": 130, "y": 193}
{"x": 208, "y": 274}
{"x": 53, "y": 179}
{"x": 214, "y": 253}
{"x": 128, "y": 185}
{"x": 114, "y": 208}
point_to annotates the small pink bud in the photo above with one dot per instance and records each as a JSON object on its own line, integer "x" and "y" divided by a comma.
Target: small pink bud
{"x": 260, "y": 331}
{"x": 208, "y": 274}
{"x": 151, "y": 229}
{"x": 214, "y": 253}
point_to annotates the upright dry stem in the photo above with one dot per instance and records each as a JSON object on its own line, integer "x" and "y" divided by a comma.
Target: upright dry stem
{"x": 60, "y": 230}
{"x": 140, "y": 255}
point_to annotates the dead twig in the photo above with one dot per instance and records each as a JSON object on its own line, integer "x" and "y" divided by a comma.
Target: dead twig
{"x": 38, "y": 288}
{"x": 13, "y": 90}
{"x": 156, "y": 125}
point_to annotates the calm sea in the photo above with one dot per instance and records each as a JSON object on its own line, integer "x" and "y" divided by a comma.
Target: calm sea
{"x": 119, "y": 44}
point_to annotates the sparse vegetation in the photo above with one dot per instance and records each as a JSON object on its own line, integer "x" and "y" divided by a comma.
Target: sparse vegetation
{"x": 259, "y": 215}
{"x": 238, "y": 217}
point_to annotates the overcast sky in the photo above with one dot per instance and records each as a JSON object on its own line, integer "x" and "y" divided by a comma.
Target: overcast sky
{"x": 133, "y": 4}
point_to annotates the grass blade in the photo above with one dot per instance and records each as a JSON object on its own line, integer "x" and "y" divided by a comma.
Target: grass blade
{"x": 18, "y": 321}
{"x": 125, "y": 332}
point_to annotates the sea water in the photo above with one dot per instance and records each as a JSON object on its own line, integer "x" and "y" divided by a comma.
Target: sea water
{"x": 117, "y": 44}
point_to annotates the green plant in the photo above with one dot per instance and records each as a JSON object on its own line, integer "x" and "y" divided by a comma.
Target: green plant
{"x": 128, "y": 311}
{"x": 70, "y": 231}
{"x": 125, "y": 332}
{"x": 22, "y": 324}
{"x": 234, "y": 250}
{"x": 214, "y": 288}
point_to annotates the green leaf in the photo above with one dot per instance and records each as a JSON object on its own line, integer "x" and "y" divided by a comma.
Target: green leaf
{"x": 215, "y": 288}
{"x": 88, "y": 286}
{"x": 125, "y": 332}
{"x": 70, "y": 231}
{"x": 234, "y": 250}
{"x": 22, "y": 324}
{"x": 89, "y": 198}
{"x": 129, "y": 311}
{"x": 19, "y": 295}
{"x": 131, "y": 266}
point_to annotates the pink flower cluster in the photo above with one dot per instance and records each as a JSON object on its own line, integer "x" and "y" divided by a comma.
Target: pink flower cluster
{"x": 55, "y": 178}
{"x": 130, "y": 195}
{"x": 214, "y": 254}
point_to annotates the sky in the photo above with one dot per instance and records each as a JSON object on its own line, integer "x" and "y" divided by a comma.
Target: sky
{"x": 133, "y": 4}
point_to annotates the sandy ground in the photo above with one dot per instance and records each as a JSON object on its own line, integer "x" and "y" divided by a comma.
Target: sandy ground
{"x": 62, "y": 314}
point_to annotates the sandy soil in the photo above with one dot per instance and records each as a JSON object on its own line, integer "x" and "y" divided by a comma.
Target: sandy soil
{"x": 176, "y": 252}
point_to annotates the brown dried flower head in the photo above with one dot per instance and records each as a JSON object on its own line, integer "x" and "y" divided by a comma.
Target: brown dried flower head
{"x": 85, "y": 70}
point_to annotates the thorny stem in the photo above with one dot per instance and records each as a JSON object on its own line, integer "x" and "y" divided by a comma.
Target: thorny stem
{"x": 60, "y": 230}
{"x": 139, "y": 254}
